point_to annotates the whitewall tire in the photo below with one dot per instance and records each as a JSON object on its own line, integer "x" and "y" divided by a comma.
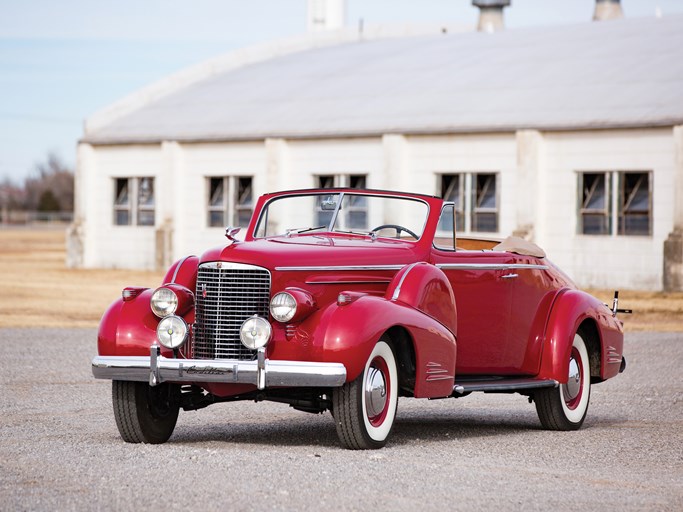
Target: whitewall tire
{"x": 365, "y": 409}
{"x": 565, "y": 407}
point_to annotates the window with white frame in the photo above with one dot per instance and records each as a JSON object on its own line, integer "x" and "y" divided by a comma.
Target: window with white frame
{"x": 230, "y": 201}
{"x": 134, "y": 202}
{"x": 475, "y": 199}
{"x": 356, "y": 214}
{"x": 615, "y": 203}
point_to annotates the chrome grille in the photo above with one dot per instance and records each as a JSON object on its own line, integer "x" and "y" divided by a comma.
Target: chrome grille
{"x": 227, "y": 294}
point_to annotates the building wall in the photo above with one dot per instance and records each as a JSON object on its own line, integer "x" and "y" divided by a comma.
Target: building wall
{"x": 104, "y": 244}
{"x": 607, "y": 261}
{"x": 537, "y": 190}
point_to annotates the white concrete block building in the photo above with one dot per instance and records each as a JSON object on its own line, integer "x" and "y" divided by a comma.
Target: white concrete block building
{"x": 570, "y": 136}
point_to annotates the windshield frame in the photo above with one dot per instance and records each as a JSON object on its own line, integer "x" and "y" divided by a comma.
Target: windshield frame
{"x": 340, "y": 193}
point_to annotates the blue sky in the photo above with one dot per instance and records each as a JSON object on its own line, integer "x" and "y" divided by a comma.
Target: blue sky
{"x": 61, "y": 61}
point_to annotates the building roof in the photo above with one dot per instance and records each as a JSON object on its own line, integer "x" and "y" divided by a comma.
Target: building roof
{"x": 614, "y": 74}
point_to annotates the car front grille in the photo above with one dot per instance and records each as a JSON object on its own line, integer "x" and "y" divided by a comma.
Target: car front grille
{"x": 227, "y": 294}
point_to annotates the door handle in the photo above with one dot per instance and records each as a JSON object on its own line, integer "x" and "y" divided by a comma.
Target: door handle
{"x": 509, "y": 276}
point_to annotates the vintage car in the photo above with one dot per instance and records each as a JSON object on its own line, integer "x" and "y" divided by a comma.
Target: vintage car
{"x": 344, "y": 300}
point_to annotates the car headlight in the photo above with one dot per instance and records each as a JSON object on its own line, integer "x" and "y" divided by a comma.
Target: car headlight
{"x": 283, "y": 307}
{"x": 164, "y": 302}
{"x": 255, "y": 332}
{"x": 172, "y": 331}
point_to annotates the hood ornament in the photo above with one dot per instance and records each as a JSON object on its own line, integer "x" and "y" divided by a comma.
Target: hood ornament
{"x": 230, "y": 233}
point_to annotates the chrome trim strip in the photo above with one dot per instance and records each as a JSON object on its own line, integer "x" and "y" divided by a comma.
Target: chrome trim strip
{"x": 503, "y": 385}
{"x": 489, "y": 266}
{"x": 340, "y": 268}
{"x": 342, "y": 190}
{"x": 275, "y": 373}
{"x": 397, "y": 290}
{"x": 182, "y": 262}
{"x": 230, "y": 265}
{"x": 355, "y": 281}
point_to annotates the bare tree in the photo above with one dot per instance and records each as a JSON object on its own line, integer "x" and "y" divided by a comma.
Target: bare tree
{"x": 51, "y": 188}
{"x": 11, "y": 198}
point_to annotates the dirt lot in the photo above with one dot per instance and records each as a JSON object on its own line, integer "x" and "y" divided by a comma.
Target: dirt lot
{"x": 37, "y": 289}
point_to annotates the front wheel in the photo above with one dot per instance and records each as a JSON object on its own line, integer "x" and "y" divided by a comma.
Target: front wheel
{"x": 364, "y": 409}
{"x": 145, "y": 414}
{"x": 565, "y": 407}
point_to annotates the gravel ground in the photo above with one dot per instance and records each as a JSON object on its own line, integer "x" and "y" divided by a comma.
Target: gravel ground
{"x": 60, "y": 450}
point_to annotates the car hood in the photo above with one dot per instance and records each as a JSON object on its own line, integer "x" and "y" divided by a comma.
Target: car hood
{"x": 316, "y": 251}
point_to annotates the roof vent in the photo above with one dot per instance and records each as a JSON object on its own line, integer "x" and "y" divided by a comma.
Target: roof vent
{"x": 326, "y": 15}
{"x": 607, "y": 10}
{"x": 490, "y": 14}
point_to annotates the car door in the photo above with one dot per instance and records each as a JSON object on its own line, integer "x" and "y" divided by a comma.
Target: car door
{"x": 483, "y": 286}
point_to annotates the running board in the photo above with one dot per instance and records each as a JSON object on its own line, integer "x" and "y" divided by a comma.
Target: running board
{"x": 502, "y": 385}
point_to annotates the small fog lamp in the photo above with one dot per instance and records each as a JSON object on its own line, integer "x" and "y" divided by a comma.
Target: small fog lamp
{"x": 172, "y": 332}
{"x": 255, "y": 332}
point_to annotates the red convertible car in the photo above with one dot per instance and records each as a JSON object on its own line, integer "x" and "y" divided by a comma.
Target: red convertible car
{"x": 344, "y": 300}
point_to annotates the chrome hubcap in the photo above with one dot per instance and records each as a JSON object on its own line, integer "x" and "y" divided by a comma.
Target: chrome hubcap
{"x": 375, "y": 392}
{"x": 573, "y": 387}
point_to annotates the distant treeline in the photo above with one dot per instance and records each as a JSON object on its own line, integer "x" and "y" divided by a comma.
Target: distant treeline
{"x": 50, "y": 188}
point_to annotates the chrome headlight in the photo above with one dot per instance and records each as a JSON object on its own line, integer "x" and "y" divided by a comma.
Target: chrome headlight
{"x": 255, "y": 332}
{"x": 283, "y": 307}
{"x": 172, "y": 331}
{"x": 164, "y": 302}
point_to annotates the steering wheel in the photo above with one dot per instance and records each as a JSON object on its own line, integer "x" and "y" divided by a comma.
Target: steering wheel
{"x": 397, "y": 228}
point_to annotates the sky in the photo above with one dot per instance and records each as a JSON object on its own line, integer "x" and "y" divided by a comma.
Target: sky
{"x": 62, "y": 61}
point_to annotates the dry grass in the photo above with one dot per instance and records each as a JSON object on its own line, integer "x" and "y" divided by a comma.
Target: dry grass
{"x": 37, "y": 290}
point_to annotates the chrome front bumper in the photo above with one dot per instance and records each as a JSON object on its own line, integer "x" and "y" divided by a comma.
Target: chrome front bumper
{"x": 262, "y": 373}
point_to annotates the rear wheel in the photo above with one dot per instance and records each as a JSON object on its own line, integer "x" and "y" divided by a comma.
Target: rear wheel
{"x": 364, "y": 410}
{"x": 145, "y": 414}
{"x": 565, "y": 407}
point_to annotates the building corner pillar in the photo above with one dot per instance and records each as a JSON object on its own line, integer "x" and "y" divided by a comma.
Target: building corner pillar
{"x": 395, "y": 174}
{"x": 171, "y": 204}
{"x": 673, "y": 245}
{"x": 278, "y": 171}
{"x": 76, "y": 243}
{"x": 529, "y": 148}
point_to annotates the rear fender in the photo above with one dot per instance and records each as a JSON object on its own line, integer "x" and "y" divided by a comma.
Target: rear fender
{"x": 570, "y": 310}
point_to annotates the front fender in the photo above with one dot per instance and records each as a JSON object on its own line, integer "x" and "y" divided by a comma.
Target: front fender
{"x": 570, "y": 310}
{"x": 348, "y": 333}
{"x": 183, "y": 272}
{"x": 128, "y": 328}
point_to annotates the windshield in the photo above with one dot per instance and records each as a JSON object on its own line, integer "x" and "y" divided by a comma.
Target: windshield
{"x": 344, "y": 212}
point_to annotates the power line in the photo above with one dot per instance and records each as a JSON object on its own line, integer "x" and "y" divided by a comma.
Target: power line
{"x": 37, "y": 118}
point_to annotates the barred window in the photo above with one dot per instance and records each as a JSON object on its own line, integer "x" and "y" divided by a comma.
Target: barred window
{"x": 452, "y": 187}
{"x": 484, "y": 203}
{"x": 475, "y": 201}
{"x": 595, "y": 204}
{"x": 635, "y": 204}
{"x": 615, "y": 203}
{"x": 122, "y": 206}
{"x": 134, "y": 202}
{"x": 356, "y": 213}
{"x": 230, "y": 201}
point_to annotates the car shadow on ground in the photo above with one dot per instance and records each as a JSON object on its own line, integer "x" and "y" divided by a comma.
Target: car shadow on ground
{"x": 319, "y": 430}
